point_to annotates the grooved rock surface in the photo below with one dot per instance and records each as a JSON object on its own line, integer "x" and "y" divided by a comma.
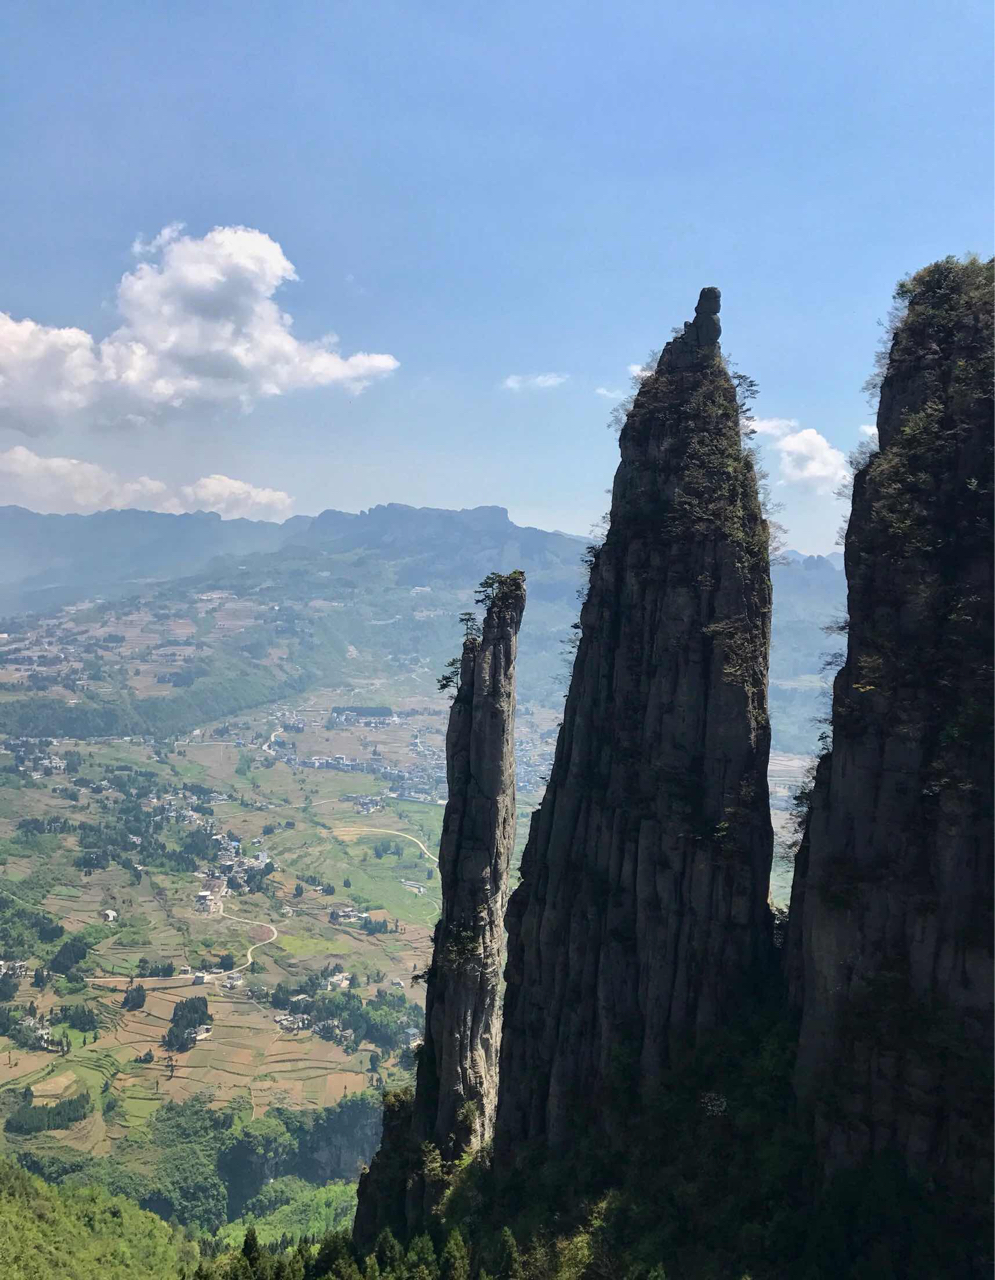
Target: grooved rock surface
{"x": 642, "y": 919}
{"x": 889, "y": 952}
{"x": 456, "y": 1092}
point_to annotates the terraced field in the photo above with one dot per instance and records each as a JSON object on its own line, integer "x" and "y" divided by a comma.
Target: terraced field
{"x": 311, "y": 825}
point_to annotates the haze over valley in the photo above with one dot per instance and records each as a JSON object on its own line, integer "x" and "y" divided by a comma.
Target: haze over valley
{"x": 496, "y": 601}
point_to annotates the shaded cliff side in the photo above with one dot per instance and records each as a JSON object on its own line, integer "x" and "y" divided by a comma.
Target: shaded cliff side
{"x": 642, "y": 915}
{"x": 890, "y": 938}
{"x": 453, "y": 1106}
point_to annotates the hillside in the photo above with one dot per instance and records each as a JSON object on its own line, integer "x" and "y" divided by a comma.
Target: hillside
{"x": 50, "y": 560}
{"x": 272, "y": 609}
{"x": 83, "y": 1234}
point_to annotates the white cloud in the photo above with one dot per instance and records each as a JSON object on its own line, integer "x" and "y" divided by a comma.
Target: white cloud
{"x": 199, "y": 329}
{"x": 533, "y": 381}
{"x": 68, "y": 484}
{"x": 609, "y": 395}
{"x": 804, "y": 455}
{"x": 808, "y": 458}
{"x": 639, "y": 371}
{"x": 776, "y": 427}
{"x": 870, "y": 432}
{"x": 234, "y": 497}
{"x": 142, "y": 248}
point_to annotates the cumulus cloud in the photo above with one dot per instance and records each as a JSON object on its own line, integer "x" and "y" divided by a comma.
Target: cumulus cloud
{"x": 870, "y": 432}
{"x": 804, "y": 455}
{"x": 808, "y": 458}
{"x": 234, "y": 497}
{"x": 69, "y": 484}
{"x": 200, "y": 328}
{"x": 533, "y": 381}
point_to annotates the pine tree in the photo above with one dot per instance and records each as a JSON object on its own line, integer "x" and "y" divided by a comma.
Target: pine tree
{"x": 455, "y": 1261}
{"x": 421, "y": 1256}
{"x": 389, "y": 1254}
{"x": 511, "y": 1259}
{"x": 333, "y": 1253}
{"x": 250, "y": 1248}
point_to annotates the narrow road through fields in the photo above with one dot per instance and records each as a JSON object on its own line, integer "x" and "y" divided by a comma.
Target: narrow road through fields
{"x": 275, "y": 933}
{"x": 382, "y": 831}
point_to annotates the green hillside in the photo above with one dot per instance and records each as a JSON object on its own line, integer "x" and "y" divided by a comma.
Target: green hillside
{"x": 82, "y": 1234}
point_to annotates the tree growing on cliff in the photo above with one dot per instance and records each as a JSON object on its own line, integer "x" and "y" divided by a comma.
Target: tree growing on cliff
{"x": 491, "y": 588}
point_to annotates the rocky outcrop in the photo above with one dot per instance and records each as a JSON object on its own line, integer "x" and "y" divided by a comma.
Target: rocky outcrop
{"x": 642, "y": 920}
{"x": 456, "y": 1092}
{"x": 890, "y": 934}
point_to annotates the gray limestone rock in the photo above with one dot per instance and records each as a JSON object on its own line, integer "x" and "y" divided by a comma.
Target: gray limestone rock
{"x": 456, "y": 1092}
{"x": 457, "y": 1069}
{"x": 641, "y": 920}
{"x": 889, "y": 954}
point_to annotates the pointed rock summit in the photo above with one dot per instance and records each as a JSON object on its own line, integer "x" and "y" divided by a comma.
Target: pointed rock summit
{"x": 456, "y": 1091}
{"x": 641, "y": 920}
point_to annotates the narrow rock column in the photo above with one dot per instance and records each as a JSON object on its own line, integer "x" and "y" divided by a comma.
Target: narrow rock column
{"x": 642, "y": 918}
{"x": 456, "y": 1094}
{"x": 890, "y": 930}
{"x": 456, "y": 1091}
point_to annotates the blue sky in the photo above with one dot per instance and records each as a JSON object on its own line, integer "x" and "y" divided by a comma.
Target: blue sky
{"x": 470, "y": 193}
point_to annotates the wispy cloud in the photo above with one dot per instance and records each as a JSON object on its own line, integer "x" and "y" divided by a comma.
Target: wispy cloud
{"x": 870, "y": 432}
{"x": 776, "y": 427}
{"x": 533, "y": 381}
{"x": 200, "y": 328}
{"x": 609, "y": 395}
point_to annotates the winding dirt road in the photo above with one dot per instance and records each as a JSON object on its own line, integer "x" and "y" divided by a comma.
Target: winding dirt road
{"x": 382, "y": 831}
{"x": 274, "y": 934}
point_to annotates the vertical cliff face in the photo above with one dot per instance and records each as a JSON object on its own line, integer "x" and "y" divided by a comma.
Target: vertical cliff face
{"x": 890, "y": 936}
{"x": 456, "y": 1092}
{"x": 642, "y": 916}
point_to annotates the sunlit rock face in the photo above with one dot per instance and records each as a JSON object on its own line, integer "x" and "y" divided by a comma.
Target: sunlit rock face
{"x": 641, "y": 920}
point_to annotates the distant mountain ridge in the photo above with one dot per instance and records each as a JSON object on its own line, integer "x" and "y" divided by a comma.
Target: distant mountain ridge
{"x": 384, "y": 554}
{"x": 51, "y": 560}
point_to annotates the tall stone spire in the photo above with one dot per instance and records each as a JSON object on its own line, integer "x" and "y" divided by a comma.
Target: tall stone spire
{"x": 456, "y": 1092}
{"x": 890, "y": 930}
{"x": 642, "y": 919}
